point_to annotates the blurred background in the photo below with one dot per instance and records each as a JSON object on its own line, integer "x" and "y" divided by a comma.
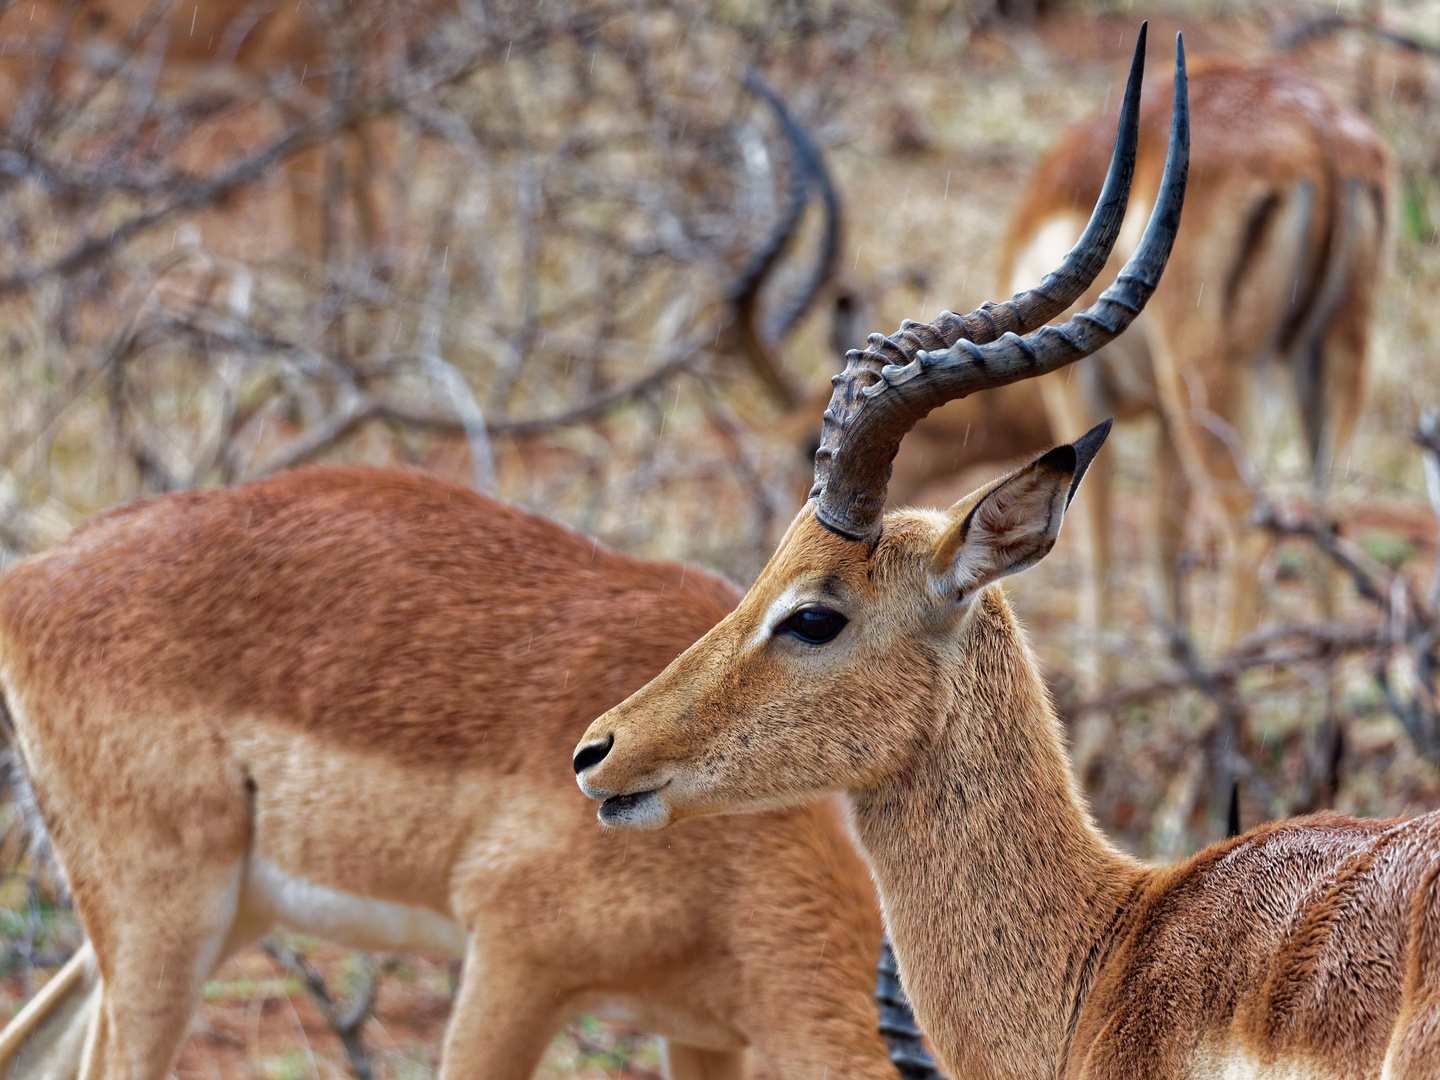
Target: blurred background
{"x": 520, "y": 244}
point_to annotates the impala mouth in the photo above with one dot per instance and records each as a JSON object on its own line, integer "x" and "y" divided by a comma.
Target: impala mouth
{"x": 637, "y": 810}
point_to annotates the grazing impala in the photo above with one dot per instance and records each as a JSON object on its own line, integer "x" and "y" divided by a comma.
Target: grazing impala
{"x": 1274, "y": 269}
{"x": 875, "y": 657}
{"x": 344, "y": 700}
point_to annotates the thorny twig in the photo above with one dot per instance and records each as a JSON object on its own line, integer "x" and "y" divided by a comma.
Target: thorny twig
{"x": 345, "y": 1019}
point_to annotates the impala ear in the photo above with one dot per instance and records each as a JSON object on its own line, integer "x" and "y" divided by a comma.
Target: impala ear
{"x": 1013, "y": 523}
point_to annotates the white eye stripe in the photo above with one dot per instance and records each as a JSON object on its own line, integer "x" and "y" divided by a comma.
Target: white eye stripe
{"x": 781, "y": 608}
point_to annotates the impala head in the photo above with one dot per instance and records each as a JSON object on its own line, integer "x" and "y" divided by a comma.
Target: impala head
{"x": 842, "y": 660}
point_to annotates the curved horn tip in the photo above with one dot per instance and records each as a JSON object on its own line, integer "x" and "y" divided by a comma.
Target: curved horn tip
{"x": 984, "y": 350}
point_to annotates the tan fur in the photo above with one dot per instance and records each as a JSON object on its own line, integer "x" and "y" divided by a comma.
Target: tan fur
{"x": 1029, "y": 945}
{"x": 1276, "y": 260}
{"x": 371, "y": 681}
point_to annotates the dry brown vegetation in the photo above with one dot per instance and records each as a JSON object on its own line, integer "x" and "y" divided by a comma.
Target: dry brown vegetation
{"x": 496, "y": 240}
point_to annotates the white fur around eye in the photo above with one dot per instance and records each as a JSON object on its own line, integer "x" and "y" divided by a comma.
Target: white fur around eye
{"x": 782, "y": 607}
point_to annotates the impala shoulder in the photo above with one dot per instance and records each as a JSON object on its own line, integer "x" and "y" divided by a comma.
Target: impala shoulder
{"x": 1337, "y": 974}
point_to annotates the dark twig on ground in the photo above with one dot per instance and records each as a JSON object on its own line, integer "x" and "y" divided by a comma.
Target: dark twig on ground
{"x": 346, "y": 1019}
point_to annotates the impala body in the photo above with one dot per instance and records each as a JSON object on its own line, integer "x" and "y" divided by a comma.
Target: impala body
{"x": 876, "y": 657}
{"x": 344, "y": 700}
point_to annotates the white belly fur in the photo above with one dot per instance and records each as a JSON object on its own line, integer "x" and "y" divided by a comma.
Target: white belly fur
{"x": 1221, "y": 1063}
{"x": 273, "y": 895}
{"x": 357, "y": 921}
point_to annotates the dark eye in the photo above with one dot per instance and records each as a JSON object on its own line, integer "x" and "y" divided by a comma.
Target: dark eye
{"x": 816, "y": 625}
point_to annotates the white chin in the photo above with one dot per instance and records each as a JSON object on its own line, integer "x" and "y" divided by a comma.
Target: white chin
{"x": 641, "y": 811}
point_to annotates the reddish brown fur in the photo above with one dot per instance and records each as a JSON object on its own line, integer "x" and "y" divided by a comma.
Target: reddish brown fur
{"x": 1029, "y": 945}
{"x": 373, "y": 680}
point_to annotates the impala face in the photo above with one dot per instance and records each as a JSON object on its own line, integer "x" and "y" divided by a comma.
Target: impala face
{"x": 839, "y": 666}
{"x": 834, "y": 672}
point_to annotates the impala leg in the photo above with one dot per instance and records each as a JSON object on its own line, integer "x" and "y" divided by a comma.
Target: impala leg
{"x": 1244, "y": 549}
{"x": 692, "y": 1063}
{"x": 364, "y": 181}
{"x": 154, "y": 961}
{"x": 1202, "y": 397}
{"x": 505, "y": 1015}
{"x": 1329, "y": 388}
{"x": 1171, "y": 507}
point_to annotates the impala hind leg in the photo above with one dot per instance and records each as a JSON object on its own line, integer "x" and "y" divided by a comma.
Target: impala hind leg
{"x": 1070, "y": 417}
{"x": 691, "y": 1063}
{"x": 1203, "y": 395}
{"x": 1171, "y": 511}
{"x": 154, "y": 959}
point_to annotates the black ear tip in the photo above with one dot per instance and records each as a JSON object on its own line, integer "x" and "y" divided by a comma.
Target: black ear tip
{"x": 1086, "y": 447}
{"x": 1089, "y": 443}
{"x": 1061, "y": 458}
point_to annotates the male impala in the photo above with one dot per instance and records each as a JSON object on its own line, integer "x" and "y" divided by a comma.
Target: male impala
{"x": 344, "y": 699}
{"x": 874, "y": 657}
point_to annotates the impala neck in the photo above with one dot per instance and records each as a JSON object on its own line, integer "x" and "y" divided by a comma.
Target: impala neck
{"x": 1000, "y": 894}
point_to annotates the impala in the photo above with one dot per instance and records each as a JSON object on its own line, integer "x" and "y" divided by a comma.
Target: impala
{"x": 343, "y": 700}
{"x": 1274, "y": 271}
{"x": 875, "y": 657}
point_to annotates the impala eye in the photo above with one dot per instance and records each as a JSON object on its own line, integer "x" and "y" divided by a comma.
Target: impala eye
{"x": 815, "y": 625}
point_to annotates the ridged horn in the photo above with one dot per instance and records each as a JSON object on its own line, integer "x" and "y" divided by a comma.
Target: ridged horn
{"x": 889, "y": 386}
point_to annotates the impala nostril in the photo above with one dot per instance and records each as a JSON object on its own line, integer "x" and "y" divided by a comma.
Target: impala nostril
{"x": 592, "y": 754}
